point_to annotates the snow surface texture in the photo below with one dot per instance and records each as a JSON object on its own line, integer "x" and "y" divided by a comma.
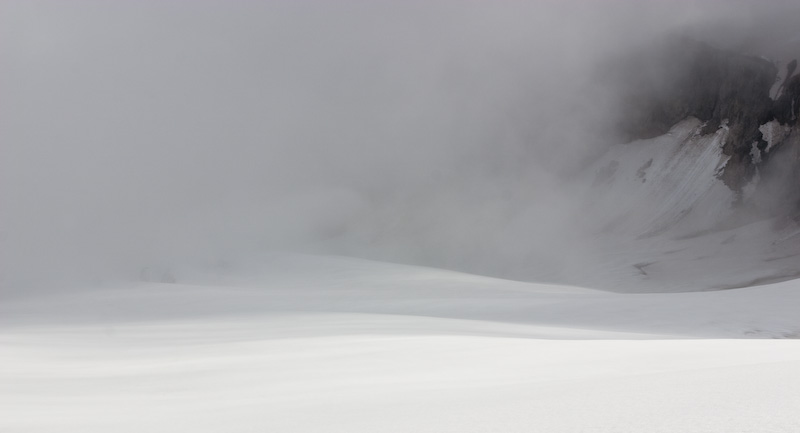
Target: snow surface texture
{"x": 313, "y": 344}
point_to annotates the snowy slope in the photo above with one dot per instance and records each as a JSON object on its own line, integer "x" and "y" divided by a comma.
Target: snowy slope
{"x": 663, "y": 182}
{"x": 647, "y": 216}
{"x": 659, "y": 219}
{"x": 309, "y": 344}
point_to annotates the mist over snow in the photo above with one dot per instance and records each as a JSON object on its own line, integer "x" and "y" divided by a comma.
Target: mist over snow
{"x": 399, "y": 216}
{"x": 448, "y": 133}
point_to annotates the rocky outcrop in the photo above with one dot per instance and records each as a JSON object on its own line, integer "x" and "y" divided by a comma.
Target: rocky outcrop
{"x": 683, "y": 78}
{"x": 786, "y": 109}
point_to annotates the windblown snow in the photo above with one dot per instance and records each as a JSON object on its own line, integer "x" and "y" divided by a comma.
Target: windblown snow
{"x": 311, "y": 344}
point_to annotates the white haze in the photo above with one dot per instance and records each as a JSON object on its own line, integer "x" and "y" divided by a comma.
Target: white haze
{"x": 141, "y": 134}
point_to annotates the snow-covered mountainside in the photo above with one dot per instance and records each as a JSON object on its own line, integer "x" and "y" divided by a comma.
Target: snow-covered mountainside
{"x": 704, "y": 195}
{"x": 308, "y": 344}
{"x": 690, "y": 185}
{"x": 668, "y": 222}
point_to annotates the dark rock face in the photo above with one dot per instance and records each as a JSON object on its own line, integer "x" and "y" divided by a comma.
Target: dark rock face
{"x": 682, "y": 77}
{"x": 787, "y": 107}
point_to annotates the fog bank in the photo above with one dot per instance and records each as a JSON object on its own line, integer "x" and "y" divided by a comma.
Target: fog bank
{"x": 162, "y": 134}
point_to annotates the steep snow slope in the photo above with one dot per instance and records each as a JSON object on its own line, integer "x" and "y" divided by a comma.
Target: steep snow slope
{"x": 663, "y": 182}
{"x": 660, "y": 219}
{"x": 307, "y": 344}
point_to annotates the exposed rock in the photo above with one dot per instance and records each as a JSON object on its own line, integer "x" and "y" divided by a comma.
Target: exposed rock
{"x": 683, "y": 78}
{"x": 787, "y": 107}
{"x": 790, "y": 68}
